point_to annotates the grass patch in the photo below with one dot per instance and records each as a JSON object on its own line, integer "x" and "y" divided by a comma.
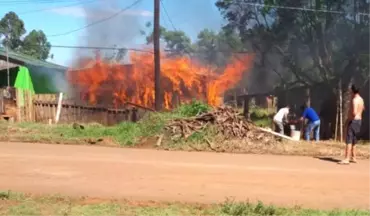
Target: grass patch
{"x": 125, "y": 134}
{"x": 192, "y": 109}
{"x": 20, "y": 204}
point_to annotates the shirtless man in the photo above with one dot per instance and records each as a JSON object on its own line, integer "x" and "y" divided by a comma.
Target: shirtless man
{"x": 353, "y": 125}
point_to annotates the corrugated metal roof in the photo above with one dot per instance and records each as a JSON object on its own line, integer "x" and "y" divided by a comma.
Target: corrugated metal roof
{"x": 4, "y": 65}
{"x": 29, "y": 60}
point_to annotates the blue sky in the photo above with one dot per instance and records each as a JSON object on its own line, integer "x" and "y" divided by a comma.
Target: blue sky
{"x": 124, "y": 30}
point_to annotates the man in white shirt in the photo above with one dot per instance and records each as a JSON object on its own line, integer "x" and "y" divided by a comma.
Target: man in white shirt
{"x": 280, "y": 118}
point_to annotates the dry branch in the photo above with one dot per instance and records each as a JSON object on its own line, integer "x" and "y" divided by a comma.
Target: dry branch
{"x": 226, "y": 121}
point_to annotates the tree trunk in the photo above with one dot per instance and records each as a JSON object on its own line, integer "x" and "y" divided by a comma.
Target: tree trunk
{"x": 340, "y": 94}
{"x": 246, "y": 107}
{"x": 345, "y": 105}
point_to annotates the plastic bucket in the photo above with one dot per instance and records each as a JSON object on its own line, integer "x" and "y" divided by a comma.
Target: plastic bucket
{"x": 295, "y": 134}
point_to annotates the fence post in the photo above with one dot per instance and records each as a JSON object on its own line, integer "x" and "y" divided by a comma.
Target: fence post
{"x": 59, "y": 108}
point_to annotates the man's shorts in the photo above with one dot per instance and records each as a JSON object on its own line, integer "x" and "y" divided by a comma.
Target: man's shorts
{"x": 353, "y": 130}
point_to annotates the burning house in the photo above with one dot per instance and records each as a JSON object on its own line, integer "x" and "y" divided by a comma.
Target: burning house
{"x": 182, "y": 80}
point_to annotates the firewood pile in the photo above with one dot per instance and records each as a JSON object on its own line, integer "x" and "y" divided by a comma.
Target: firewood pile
{"x": 226, "y": 121}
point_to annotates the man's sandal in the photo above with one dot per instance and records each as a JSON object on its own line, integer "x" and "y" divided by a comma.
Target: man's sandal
{"x": 344, "y": 162}
{"x": 353, "y": 160}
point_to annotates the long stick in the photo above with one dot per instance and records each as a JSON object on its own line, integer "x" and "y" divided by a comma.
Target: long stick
{"x": 340, "y": 112}
{"x": 59, "y": 108}
{"x": 276, "y": 134}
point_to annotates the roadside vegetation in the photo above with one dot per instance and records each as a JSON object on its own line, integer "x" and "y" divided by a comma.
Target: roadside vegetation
{"x": 22, "y": 204}
{"x": 146, "y": 133}
{"x": 124, "y": 134}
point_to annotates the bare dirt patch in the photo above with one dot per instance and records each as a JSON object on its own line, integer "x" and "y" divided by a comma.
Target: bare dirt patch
{"x": 181, "y": 176}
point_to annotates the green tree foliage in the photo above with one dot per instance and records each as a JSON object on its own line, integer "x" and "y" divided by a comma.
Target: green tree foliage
{"x": 216, "y": 47}
{"x": 211, "y": 47}
{"x": 35, "y": 44}
{"x": 177, "y": 42}
{"x": 12, "y": 29}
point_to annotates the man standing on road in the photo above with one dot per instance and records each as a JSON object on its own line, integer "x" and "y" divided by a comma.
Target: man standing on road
{"x": 280, "y": 118}
{"x": 353, "y": 124}
{"x": 313, "y": 123}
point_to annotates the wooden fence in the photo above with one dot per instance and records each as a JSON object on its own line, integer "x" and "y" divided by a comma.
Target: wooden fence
{"x": 45, "y": 109}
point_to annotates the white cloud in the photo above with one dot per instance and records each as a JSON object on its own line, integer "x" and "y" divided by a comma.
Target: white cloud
{"x": 82, "y": 13}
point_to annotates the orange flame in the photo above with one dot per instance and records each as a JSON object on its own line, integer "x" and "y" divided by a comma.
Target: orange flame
{"x": 181, "y": 80}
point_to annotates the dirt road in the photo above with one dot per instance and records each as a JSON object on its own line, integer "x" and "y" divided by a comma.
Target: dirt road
{"x": 182, "y": 176}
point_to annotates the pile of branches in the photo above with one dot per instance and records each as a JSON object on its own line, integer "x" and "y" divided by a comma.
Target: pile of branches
{"x": 225, "y": 120}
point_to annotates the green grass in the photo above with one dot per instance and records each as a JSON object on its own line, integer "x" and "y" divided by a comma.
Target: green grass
{"x": 125, "y": 133}
{"x": 21, "y": 204}
{"x": 192, "y": 109}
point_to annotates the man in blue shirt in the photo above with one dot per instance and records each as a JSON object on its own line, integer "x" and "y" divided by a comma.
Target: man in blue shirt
{"x": 313, "y": 122}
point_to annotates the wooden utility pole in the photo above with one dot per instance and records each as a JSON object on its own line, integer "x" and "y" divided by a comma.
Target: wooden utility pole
{"x": 7, "y": 55}
{"x": 157, "y": 60}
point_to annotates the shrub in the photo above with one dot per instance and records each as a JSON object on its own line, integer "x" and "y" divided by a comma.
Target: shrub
{"x": 192, "y": 109}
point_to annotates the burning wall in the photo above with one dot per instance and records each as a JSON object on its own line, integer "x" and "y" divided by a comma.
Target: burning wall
{"x": 181, "y": 79}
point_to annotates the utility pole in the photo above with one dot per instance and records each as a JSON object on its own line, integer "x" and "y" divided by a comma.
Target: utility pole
{"x": 7, "y": 65}
{"x": 7, "y": 52}
{"x": 157, "y": 60}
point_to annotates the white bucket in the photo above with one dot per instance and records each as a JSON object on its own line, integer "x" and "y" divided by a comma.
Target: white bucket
{"x": 295, "y": 134}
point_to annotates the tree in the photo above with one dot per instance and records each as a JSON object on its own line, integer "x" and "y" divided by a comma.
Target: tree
{"x": 216, "y": 48}
{"x": 11, "y": 30}
{"x": 35, "y": 44}
{"x": 309, "y": 46}
{"x": 176, "y": 42}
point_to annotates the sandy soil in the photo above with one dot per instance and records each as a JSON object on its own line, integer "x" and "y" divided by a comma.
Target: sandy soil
{"x": 140, "y": 174}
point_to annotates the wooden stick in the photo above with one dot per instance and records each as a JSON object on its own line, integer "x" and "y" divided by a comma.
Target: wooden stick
{"x": 19, "y": 107}
{"x": 276, "y": 134}
{"x": 59, "y": 108}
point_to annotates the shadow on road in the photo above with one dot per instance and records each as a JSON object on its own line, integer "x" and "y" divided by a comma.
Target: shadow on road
{"x": 329, "y": 159}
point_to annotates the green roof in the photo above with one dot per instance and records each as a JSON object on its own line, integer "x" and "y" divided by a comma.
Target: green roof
{"x": 30, "y": 60}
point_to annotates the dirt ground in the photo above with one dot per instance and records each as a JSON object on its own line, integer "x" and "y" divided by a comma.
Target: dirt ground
{"x": 140, "y": 174}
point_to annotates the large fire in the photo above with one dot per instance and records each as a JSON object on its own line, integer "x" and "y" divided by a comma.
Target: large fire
{"x": 182, "y": 80}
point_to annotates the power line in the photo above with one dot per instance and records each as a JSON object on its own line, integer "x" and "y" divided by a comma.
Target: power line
{"x": 168, "y": 16}
{"x": 47, "y": 9}
{"x": 96, "y": 22}
{"x": 130, "y": 49}
{"x": 24, "y": 2}
{"x": 99, "y": 48}
{"x": 34, "y": 1}
{"x": 302, "y": 9}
